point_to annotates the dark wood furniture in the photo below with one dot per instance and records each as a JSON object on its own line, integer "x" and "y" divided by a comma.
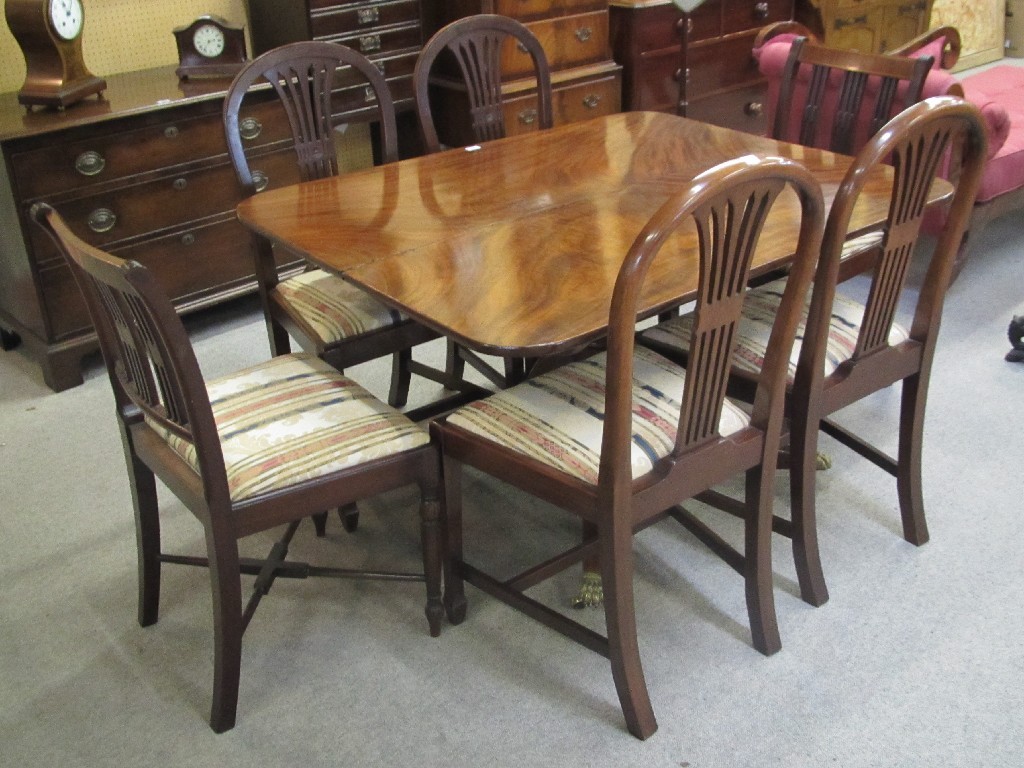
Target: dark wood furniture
{"x": 852, "y": 349}
{"x": 871, "y": 26}
{"x": 586, "y": 82}
{"x": 144, "y": 173}
{"x": 622, "y": 441}
{"x": 512, "y": 249}
{"x": 263, "y": 447}
{"x": 331, "y": 318}
{"x": 696, "y": 64}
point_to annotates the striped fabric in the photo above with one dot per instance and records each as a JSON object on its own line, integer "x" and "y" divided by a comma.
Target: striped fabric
{"x": 336, "y": 310}
{"x": 558, "y": 418}
{"x": 295, "y": 418}
{"x": 759, "y": 312}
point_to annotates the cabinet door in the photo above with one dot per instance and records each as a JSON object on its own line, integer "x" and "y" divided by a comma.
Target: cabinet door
{"x": 856, "y": 28}
{"x": 902, "y": 22}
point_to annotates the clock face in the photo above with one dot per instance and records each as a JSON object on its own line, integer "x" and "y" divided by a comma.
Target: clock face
{"x": 66, "y": 18}
{"x": 208, "y": 41}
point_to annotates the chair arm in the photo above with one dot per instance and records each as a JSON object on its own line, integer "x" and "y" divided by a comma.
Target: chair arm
{"x": 792, "y": 29}
{"x": 942, "y": 42}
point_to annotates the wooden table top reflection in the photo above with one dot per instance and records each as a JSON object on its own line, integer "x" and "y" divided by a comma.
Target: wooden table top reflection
{"x": 512, "y": 248}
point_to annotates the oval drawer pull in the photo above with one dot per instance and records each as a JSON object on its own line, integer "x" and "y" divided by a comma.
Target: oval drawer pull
{"x": 369, "y": 43}
{"x": 102, "y": 220}
{"x": 591, "y": 100}
{"x": 260, "y": 180}
{"x": 368, "y": 15}
{"x": 583, "y": 34}
{"x": 369, "y": 95}
{"x": 179, "y": 183}
{"x": 171, "y": 132}
{"x": 188, "y": 239}
{"x": 250, "y": 128}
{"x": 90, "y": 163}
{"x": 754, "y": 108}
{"x": 528, "y": 117}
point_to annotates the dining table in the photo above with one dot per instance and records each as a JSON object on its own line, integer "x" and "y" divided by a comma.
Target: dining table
{"x": 512, "y": 247}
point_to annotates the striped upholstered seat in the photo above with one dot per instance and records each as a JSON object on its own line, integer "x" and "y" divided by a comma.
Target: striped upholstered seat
{"x": 295, "y": 418}
{"x": 759, "y": 312}
{"x": 333, "y": 308}
{"x": 558, "y": 418}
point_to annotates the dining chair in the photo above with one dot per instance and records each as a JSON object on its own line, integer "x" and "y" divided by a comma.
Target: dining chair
{"x": 253, "y": 450}
{"x": 851, "y": 348}
{"x": 328, "y": 316}
{"x": 621, "y": 439}
{"x": 476, "y": 43}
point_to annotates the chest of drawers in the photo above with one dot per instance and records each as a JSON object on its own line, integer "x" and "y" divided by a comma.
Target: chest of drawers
{"x": 142, "y": 173}
{"x": 586, "y": 81}
{"x": 696, "y": 64}
{"x": 870, "y": 26}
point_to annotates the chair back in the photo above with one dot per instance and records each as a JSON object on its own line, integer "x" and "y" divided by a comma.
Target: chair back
{"x": 729, "y": 205}
{"x": 477, "y": 43}
{"x": 916, "y": 143}
{"x": 307, "y": 77}
{"x": 150, "y": 361}
{"x": 837, "y": 99}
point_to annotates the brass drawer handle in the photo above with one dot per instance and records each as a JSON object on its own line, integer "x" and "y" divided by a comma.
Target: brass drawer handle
{"x": 370, "y": 95}
{"x": 250, "y": 128}
{"x": 583, "y": 34}
{"x": 171, "y": 132}
{"x": 840, "y": 23}
{"x": 910, "y": 9}
{"x": 761, "y": 11}
{"x": 260, "y": 180}
{"x": 369, "y": 43}
{"x": 188, "y": 239}
{"x": 528, "y": 117}
{"x": 90, "y": 163}
{"x": 754, "y": 108}
{"x": 102, "y": 220}
{"x": 591, "y": 100}
{"x": 368, "y": 15}
{"x": 179, "y": 183}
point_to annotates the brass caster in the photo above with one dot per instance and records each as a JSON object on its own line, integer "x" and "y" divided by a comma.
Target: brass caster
{"x": 823, "y": 462}
{"x": 591, "y": 593}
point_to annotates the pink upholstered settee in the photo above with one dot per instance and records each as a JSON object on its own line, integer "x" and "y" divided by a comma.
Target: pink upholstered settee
{"x": 997, "y": 92}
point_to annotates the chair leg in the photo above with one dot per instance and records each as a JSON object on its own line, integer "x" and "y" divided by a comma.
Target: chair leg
{"x": 226, "y": 587}
{"x": 320, "y": 523}
{"x": 401, "y": 377}
{"x": 454, "y": 365}
{"x": 454, "y": 587}
{"x": 802, "y": 480}
{"x": 280, "y": 344}
{"x": 349, "y": 515}
{"x": 431, "y": 541}
{"x": 147, "y": 537}
{"x": 908, "y": 472}
{"x": 757, "y": 562}
{"x": 616, "y": 550}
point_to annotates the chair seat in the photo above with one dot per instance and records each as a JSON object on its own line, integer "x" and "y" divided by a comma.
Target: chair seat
{"x": 756, "y": 326}
{"x": 334, "y": 309}
{"x": 295, "y": 418}
{"x": 558, "y": 418}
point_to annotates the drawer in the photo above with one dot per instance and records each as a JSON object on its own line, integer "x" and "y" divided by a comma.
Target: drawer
{"x": 721, "y": 64}
{"x": 657, "y": 27}
{"x": 67, "y": 166}
{"x": 526, "y": 10}
{"x": 742, "y": 109}
{"x": 571, "y": 101}
{"x": 739, "y": 15}
{"x": 656, "y": 82}
{"x": 381, "y": 40}
{"x": 363, "y": 18}
{"x": 191, "y": 266}
{"x": 568, "y": 41}
{"x": 165, "y": 203}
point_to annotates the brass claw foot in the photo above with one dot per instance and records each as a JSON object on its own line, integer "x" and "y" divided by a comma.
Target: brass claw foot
{"x": 823, "y": 462}
{"x": 591, "y": 593}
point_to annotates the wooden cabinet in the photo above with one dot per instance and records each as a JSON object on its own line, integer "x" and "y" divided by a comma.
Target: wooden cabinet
{"x": 871, "y": 26}
{"x": 586, "y": 82}
{"x": 142, "y": 173}
{"x": 696, "y": 64}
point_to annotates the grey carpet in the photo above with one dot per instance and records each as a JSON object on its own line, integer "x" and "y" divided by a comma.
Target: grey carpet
{"x": 916, "y": 660}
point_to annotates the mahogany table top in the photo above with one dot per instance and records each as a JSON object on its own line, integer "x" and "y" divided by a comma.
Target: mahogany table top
{"x": 512, "y": 248}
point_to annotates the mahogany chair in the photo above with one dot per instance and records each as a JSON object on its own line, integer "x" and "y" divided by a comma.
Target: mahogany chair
{"x": 329, "y": 317}
{"x": 852, "y": 349}
{"x": 260, "y": 448}
{"x": 476, "y": 44}
{"x": 621, "y": 439}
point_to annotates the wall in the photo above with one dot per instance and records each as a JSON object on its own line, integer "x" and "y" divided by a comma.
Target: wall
{"x": 981, "y": 24}
{"x": 122, "y": 35}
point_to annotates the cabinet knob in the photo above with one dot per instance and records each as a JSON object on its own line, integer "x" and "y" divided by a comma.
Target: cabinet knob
{"x": 250, "y": 128}
{"x": 528, "y": 117}
{"x": 260, "y": 180}
{"x": 101, "y": 220}
{"x": 369, "y": 15}
{"x": 754, "y": 108}
{"x": 90, "y": 163}
{"x": 369, "y": 95}
{"x": 188, "y": 239}
{"x": 583, "y": 34}
{"x": 760, "y": 11}
{"x": 171, "y": 132}
{"x": 180, "y": 183}
{"x": 591, "y": 100}
{"x": 368, "y": 43}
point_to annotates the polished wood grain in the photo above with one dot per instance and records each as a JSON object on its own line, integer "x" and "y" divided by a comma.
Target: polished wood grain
{"x": 512, "y": 248}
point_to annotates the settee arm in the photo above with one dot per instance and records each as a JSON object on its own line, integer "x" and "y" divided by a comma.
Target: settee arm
{"x": 791, "y": 28}
{"x": 942, "y": 42}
